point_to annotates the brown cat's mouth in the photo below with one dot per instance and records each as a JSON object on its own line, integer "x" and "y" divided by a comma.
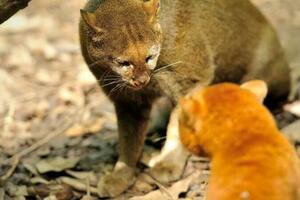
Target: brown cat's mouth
{"x": 138, "y": 84}
{"x": 135, "y": 87}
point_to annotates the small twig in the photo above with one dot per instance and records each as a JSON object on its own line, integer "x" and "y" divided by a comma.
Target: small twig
{"x": 9, "y": 7}
{"x": 10, "y": 172}
{"x": 41, "y": 142}
{"x": 160, "y": 185}
{"x": 9, "y": 119}
{"x": 63, "y": 127}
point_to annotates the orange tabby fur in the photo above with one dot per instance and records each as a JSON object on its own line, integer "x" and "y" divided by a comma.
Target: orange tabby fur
{"x": 251, "y": 159}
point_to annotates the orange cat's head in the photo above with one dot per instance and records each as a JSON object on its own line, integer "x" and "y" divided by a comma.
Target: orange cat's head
{"x": 124, "y": 38}
{"x": 208, "y": 114}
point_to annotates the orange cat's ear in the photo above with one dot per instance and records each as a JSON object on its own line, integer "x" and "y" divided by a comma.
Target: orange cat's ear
{"x": 257, "y": 87}
{"x": 152, "y": 9}
{"x": 90, "y": 19}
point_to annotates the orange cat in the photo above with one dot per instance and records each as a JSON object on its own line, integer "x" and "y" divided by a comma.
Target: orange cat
{"x": 251, "y": 159}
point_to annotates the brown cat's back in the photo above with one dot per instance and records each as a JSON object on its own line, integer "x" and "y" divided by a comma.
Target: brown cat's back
{"x": 221, "y": 41}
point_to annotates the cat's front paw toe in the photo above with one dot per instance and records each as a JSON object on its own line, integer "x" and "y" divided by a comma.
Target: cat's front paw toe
{"x": 116, "y": 182}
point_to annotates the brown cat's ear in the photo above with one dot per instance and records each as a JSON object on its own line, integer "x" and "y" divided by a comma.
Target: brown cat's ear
{"x": 152, "y": 9}
{"x": 257, "y": 87}
{"x": 90, "y": 19}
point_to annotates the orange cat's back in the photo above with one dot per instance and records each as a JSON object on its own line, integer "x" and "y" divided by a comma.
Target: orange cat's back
{"x": 251, "y": 159}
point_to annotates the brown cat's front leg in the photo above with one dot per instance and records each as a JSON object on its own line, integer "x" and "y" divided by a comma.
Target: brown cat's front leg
{"x": 132, "y": 125}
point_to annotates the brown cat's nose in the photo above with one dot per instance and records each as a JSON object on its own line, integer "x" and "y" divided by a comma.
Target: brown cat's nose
{"x": 140, "y": 81}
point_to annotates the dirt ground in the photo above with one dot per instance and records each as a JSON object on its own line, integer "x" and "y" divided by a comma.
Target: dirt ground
{"x": 57, "y": 129}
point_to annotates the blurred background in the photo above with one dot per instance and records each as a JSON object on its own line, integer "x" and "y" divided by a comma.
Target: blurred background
{"x": 43, "y": 77}
{"x": 46, "y": 88}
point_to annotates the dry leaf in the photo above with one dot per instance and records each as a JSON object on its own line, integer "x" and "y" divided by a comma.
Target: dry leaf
{"x": 78, "y": 185}
{"x": 84, "y": 175}
{"x": 15, "y": 190}
{"x": 49, "y": 51}
{"x": 31, "y": 168}
{"x": 40, "y": 190}
{"x": 171, "y": 192}
{"x": 92, "y": 126}
{"x": 57, "y": 164}
{"x": 71, "y": 94}
{"x": 51, "y": 197}
{"x": 21, "y": 57}
{"x": 66, "y": 193}
{"x": 20, "y": 198}
{"x": 54, "y": 190}
{"x": 38, "y": 180}
{"x": 88, "y": 197}
{"x": 85, "y": 77}
{"x": 142, "y": 184}
{"x": 2, "y": 193}
{"x": 76, "y": 130}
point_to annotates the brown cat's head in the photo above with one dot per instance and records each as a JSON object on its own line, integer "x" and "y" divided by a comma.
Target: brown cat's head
{"x": 208, "y": 114}
{"x": 124, "y": 38}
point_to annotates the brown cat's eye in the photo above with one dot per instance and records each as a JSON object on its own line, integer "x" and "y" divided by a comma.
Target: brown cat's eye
{"x": 123, "y": 63}
{"x": 149, "y": 58}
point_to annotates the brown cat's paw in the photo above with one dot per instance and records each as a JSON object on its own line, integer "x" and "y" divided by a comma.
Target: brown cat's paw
{"x": 116, "y": 182}
{"x": 166, "y": 171}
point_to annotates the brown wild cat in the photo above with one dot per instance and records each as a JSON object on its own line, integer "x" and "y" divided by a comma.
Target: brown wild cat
{"x": 250, "y": 158}
{"x": 143, "y": 49}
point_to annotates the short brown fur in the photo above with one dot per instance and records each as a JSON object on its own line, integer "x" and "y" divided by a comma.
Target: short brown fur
{"x": 139, "y": 50}
{"x": 251, "y": 159}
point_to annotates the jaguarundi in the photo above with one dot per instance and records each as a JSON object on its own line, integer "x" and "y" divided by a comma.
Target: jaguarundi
{"x": 140, "y": 50}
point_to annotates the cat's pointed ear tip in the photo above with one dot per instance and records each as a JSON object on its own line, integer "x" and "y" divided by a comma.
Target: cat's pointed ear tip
{"x": 83, "y": 12}
{"x": 258, "y": 82}
{"x": 257, "y": 87}
{"x": 255, "y": 84}
{"x": 90, "y": 19}
{"x": 152, "y": 8}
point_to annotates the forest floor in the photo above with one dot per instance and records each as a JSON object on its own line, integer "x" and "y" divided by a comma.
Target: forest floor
{"x": 58, "y": 131}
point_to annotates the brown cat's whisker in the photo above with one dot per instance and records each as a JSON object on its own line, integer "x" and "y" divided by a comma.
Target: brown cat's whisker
{"x": 112, "y": 76}
{"x": 113, "y": 82}
{"x": 103, "y": 75}
{"x": 116, "y": 88}
{"x": 123, "y": 88}
{"x": 111, "y": 79}
{"x": 95, "y": 63}
{"x": 108, "y": 78}
{"x": 166, "y": 67}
